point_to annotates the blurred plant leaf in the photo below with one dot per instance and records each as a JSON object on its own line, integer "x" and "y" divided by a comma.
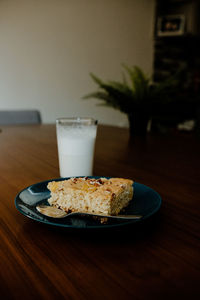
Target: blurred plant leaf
{"x": 136, "y": 91}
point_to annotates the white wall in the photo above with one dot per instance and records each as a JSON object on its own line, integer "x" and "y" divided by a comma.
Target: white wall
{"x": 48, "y": 48}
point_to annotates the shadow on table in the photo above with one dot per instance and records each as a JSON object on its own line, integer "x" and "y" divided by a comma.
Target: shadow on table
{"x": 127, "y": 234}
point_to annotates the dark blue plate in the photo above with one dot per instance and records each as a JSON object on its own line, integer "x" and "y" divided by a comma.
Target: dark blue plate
{"x": 145, "y": 202}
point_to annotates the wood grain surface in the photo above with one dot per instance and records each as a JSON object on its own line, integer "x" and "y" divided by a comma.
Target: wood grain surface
{"x": 159, "y": 259}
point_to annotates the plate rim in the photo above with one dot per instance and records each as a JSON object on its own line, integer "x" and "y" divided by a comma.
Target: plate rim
{"x": 100, "y": 226}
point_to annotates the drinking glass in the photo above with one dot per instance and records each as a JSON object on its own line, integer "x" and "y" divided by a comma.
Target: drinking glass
{"x": 76, "y": 142}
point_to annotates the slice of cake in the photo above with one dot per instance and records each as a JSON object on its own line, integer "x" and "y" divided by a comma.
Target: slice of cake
{"x": 99, "y": 196}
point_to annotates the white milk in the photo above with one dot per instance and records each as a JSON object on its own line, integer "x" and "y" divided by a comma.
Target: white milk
{"x": 76, "y": 150}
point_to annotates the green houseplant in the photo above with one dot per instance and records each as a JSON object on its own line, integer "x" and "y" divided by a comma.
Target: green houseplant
{"x": 135, "y": 95}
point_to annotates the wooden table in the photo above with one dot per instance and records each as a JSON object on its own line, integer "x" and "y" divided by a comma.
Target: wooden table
{"x": 159, "y": 259}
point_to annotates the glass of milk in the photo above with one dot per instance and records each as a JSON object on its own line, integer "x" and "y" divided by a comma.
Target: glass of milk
{"x": 76, "y": 142}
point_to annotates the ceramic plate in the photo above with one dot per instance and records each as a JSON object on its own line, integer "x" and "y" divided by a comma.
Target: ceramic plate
{"x": 145, "y": 202}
